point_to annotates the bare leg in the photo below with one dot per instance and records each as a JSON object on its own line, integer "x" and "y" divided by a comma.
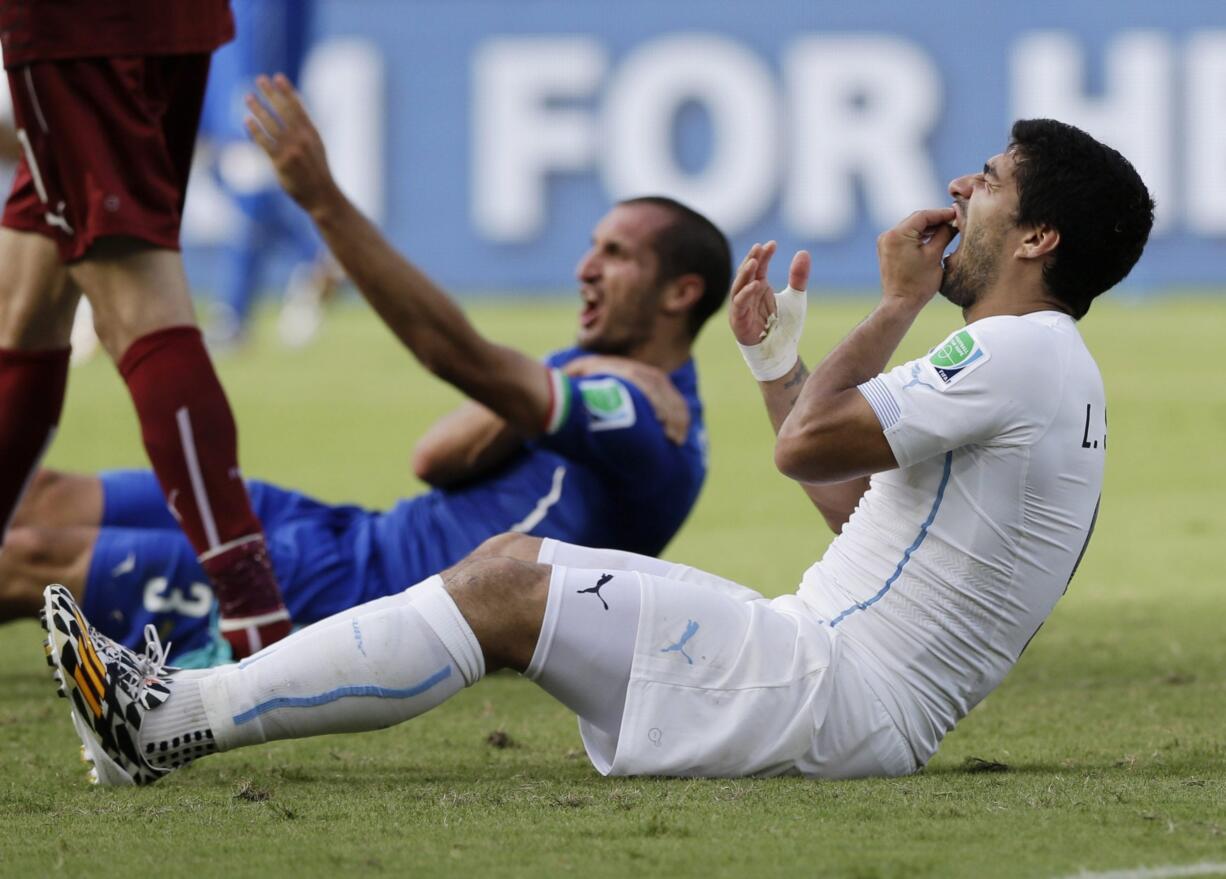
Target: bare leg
{"x": 37, "y": 298}
{"x": 508, "y": 546}
{"x": 503, "y": 600}
{"x": 33, "y": 557}
{"x": 55, "y": 499}
{"x": 135, "y": 290}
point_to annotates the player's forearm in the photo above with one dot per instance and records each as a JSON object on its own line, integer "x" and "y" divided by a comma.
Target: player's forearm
{"x": 862, "y": 355}
{"x": 831, "y": 434}
{"x": 421, "y": 315}
{"x": 780, "y": 395}
{"x": 463, "y": 445}
{"x": 428, "y": 322}
{"x": 835, "y": 501}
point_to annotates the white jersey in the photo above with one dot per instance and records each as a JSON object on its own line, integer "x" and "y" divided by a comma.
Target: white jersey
{"x": 951, "y": 563}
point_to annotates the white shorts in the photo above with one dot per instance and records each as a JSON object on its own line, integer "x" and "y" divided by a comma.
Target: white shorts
{"x": 727, "y": 683}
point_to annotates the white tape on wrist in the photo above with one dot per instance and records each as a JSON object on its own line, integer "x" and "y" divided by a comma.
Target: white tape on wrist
{"x": 774, "y": 356}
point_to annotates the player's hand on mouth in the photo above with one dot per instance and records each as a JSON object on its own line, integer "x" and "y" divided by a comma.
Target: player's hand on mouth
{"x": 910, "y": 256}
{"x": 280, "y": 124}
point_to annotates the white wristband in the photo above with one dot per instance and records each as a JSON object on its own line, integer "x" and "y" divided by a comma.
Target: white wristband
{"x": 774, "y": 356}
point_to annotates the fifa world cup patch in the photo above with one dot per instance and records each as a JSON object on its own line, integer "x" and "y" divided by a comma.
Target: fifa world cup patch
{"x": 956, "y": 357}
{"x": 609, "y": 405}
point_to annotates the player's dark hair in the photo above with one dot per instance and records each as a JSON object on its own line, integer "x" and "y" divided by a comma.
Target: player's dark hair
{"x": 692, "y": 244}
{"x": 1092, "y": 196}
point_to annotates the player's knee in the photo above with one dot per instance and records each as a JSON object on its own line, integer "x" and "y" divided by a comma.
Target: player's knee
{"x": 24, "y": 547}
{"x": 20, "y": 594}
{"x": 508, "y": 584}
{"x": 135, "y": 289}
{"x": 503, "y": 600}
{"x": 36, "y": 304}
{"x": 510, "y": 545}
{"x": 55, "y": 499}
{"x": 44, "y": 483}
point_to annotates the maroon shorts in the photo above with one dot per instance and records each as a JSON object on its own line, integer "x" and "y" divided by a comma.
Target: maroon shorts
{"x": 107, "y": 146}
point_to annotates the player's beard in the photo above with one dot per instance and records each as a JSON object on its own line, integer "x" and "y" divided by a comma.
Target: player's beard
{"x": 627, "y": 326}
{"x": 974, "y": 269}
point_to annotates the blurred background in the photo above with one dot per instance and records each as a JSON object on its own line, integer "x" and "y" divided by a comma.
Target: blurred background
{"x": 487, "y": 135}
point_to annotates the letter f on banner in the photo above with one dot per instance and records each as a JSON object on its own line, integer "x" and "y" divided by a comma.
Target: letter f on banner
{"x": 522, "y": 130}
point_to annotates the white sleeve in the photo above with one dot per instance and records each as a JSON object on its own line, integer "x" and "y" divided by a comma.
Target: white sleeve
{"x": 988, "y": 383}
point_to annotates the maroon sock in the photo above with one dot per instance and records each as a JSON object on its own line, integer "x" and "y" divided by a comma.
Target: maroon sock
{"x": 190, "y": 435}
{"x": 32, "y": 387}
{"x": 192, "y": 442}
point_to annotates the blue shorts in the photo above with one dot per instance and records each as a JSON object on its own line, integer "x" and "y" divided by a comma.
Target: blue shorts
{"x": 145, "y": 572}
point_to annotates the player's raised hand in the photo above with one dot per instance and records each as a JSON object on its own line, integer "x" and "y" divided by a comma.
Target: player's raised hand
{"x": 670, "y": 407}
{"x": 281, "y": 126}
{"x": 751, "y": 299}
{"x": 767, "y": 325}
{"x": 910, "y": 255}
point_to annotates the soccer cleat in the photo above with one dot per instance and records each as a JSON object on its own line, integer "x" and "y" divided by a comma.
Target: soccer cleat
{"x": 111, "y": 689}
{"x": 252, "y": 615}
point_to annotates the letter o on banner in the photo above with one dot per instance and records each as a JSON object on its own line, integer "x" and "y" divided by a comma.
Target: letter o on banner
{"x": 649, "y": 89}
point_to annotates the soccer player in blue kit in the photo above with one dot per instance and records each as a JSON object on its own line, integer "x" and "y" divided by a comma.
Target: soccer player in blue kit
{"x": 571, "y": 449}
{"x": 269, "y": 35}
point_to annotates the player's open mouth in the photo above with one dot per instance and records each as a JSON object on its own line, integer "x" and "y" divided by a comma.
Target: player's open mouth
{"x": 589, "y": 313}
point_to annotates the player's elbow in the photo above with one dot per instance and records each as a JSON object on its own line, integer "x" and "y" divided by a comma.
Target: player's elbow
{"x": 428, "y": 465}
{"x": 792, "y": 457}
{"x": 806, "y": 457}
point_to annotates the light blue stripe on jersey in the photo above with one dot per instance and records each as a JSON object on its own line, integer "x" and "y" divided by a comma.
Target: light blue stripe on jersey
{"x": 882, "y": 402}
{"x": 340, "y": 693}
{"x": 906, "y": 556}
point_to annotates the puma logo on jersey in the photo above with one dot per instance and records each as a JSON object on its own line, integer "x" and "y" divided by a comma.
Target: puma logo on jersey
{"x": 127, "y": 566}
{"x": 595, "y": 590}
{"x": 916, "y": 381}
{"x": 691, "y": 629}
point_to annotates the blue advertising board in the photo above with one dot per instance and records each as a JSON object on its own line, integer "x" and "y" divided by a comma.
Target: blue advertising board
{"x": 487, "y": 136}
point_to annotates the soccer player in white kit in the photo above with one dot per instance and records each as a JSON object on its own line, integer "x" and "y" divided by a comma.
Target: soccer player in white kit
{"x": 964, "y": 486}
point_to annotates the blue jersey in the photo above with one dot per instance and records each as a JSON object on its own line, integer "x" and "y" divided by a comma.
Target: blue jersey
{"x": 605, "y": 475}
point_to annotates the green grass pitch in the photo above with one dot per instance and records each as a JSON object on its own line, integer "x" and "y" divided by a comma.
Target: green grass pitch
{"x": 1104, "y": 749}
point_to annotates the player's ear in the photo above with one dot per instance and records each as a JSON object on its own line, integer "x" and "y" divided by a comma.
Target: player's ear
{"x": 1038, "y": 242}
{"x": 682, "y": 293}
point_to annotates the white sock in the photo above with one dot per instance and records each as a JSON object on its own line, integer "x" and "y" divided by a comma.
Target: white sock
{"x": 367, "y": 668}
{"x": 340, "y": 618}
{"x": 177, "y": 732}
